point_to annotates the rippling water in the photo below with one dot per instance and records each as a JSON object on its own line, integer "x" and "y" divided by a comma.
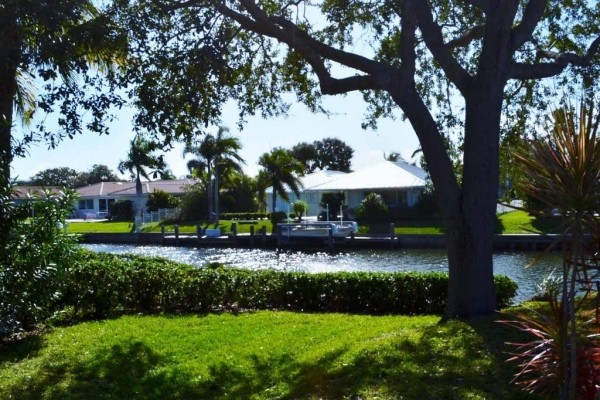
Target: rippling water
{"x": 512, "y": 264}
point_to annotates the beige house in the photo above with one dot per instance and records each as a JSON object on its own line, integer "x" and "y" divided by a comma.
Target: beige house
{"x": 95, "y": 200}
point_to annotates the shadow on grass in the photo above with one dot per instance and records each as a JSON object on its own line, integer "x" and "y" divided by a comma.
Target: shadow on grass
{"x": 450, "y": 361}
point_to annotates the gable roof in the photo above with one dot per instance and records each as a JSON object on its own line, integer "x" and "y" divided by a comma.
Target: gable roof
{"x": 107, "y": 189}
{"x": 383, "y": 175}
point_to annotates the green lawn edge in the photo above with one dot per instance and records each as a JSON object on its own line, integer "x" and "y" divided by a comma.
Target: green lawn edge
{"x": 263, "y": 355}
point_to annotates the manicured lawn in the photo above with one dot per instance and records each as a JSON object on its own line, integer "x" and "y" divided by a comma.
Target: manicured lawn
{"x": 99, "y": 227}
{"x": 262, "y": 355}
{"x": 516, "y": 222}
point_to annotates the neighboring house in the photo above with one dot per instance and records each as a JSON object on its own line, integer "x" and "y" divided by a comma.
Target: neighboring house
{"x": 399, "y": 183}
{"x": 25, "y": 193}
{"x": 95, "y": 200}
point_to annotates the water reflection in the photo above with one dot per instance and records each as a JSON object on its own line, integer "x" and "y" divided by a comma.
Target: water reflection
{"x": 512, "y": 264}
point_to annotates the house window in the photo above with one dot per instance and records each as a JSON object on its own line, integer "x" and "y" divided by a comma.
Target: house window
{"x": 104, "y": 204}
{"x": 86, "y": 204}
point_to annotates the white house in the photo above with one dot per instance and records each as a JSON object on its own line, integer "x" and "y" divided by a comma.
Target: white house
{"x": 399, "y": 183}
{"x": 95, "y": 200}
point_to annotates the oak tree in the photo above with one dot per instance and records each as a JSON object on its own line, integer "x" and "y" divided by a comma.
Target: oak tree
{"x": 472, "y": 68}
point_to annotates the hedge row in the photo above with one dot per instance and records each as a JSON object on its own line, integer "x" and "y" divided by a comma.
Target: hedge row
{"x": 103, "y": 284}
{"x": 244, "y": 216}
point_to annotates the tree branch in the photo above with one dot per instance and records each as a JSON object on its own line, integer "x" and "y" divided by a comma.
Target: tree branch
{"x": 472, "y": 34}
{"x": 561, "y": 61}
{"x": 432, "y": 34}
{"x": 312, "y": 50}
{"x": 534, "y": 11}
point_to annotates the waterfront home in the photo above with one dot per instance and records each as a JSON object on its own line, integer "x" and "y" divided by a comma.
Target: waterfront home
{"x": 24, "y": 193}
{"x": 399, "y": 183}
{"x": 95, "y": 200}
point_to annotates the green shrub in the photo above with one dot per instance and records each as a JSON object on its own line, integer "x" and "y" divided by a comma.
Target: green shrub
{"x": 194, "y": 203}
{"x": 35, "y": 253}
{"x": 160, "y": 199}
{"x": 121, "y": 210}
{"x": 244, "y": 216}
{"x": 105, "y": 284}
{"x": 372, "y": 208}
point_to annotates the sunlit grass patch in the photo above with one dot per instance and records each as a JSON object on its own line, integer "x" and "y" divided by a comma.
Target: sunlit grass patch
{"x": 263, "y": 355}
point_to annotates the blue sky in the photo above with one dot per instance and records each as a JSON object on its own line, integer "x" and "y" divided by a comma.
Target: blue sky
{"x": 257, "y": 137}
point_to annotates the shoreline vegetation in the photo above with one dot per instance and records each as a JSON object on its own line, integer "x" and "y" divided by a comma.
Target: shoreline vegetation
{"x": 124, "y": 334}
{"x": 515, "y": 222}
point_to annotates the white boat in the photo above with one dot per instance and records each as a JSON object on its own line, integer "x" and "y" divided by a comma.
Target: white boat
{"x": 319, "y": 229}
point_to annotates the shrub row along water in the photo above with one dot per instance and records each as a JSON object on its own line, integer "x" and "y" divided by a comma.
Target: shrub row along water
{"x": 102, "y": 284}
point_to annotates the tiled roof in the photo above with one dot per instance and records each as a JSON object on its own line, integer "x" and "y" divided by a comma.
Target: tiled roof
{"x": 26, "y": 191}
{"x": 107, "y": 189}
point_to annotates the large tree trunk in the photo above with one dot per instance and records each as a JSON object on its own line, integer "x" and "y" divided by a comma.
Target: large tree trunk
{"x": 469, "y": 232}
{"x": 10, "y": 54}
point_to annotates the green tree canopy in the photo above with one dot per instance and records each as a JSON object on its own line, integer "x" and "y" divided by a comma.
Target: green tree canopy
{"x": 54, "y": 43}
{"x": 96, "y": 174}
{"x": 59, "y": 177}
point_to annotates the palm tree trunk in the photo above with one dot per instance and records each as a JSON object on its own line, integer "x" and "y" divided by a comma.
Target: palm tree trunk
{"x": 216, "y": 196}
{"x": 209, "y": 193}
{"x": 274, "y": 198}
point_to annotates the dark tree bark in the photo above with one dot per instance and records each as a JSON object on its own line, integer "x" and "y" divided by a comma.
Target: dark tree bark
{"x": 9, "y": 60}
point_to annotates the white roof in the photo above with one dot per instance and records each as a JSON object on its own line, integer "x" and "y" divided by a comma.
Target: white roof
{"x": 314, "y": 179}
{"x": 383, "y": 175}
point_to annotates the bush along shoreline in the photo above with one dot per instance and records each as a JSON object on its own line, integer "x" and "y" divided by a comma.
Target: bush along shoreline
{"x": 100, "y": 285}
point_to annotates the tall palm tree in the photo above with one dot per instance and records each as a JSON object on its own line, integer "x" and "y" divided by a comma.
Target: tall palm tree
{"x": 55, "y": 41}
{"x": 283, "y": 170}
{"x": 142, "y": 162}
{"x": 216, "y": 155}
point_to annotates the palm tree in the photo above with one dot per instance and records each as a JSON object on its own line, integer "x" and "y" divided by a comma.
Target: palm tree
{"x": 283, "y": 170}
{"x": 140, "y": 159}
{"x": 216, "y": 156}
{"x": 56, "y": 41}
{"x": 563, "y": 172}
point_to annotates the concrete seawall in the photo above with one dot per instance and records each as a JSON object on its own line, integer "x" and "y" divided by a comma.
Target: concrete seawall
{"x": 501, "y": 242}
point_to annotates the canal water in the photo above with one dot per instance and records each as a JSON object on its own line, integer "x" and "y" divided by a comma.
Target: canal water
{"x": 516, "y": 265}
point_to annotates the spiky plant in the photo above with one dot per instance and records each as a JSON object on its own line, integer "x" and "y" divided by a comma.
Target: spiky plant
{"x": 564, "y": 174}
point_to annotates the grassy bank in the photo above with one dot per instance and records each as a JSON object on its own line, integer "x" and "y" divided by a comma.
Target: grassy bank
{"x": 516, "y": 222}
{"x": 262, "y": 355}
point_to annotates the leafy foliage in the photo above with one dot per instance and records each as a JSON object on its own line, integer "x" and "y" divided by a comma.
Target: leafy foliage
{"x": 161, "y": 199}
{"x": 34, "y": 259}
{"x": 282, "y": 170}
{"x": 104, "y": 284}
{"x": 121, "y": 210}
{"x": 372, "y": 208}
{"x": 300, "y": 208}
{"x": 70, "y": 48}
{"x": 61, "y": 177}
{"x": 332, "y": 201}
{"x": 563, "y": 172}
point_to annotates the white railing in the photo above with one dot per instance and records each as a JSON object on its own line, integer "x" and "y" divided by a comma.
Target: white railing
{"x": 157, "y": 216}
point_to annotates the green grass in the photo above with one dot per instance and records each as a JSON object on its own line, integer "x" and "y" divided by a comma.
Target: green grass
{"x": 262, "y": 355}
{"x": 516, "y": 222}
{"x": 99, "y": 227}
